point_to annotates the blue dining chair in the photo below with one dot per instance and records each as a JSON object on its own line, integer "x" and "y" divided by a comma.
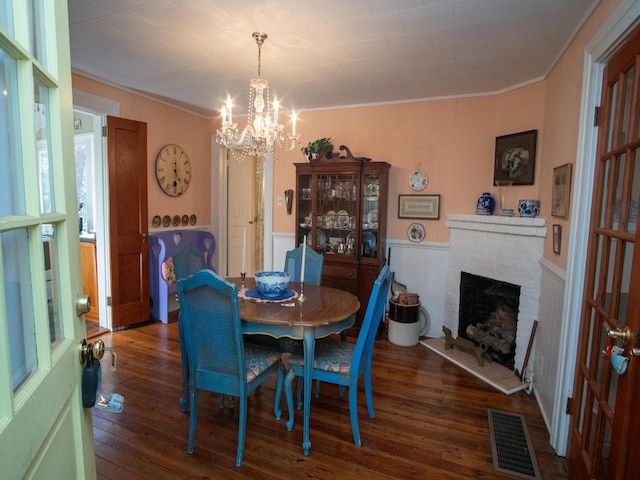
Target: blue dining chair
{"x": 218, "y": 360}
{"x": 341, "y": 362}
{"x": 186, "y": 262}
{"x": 312, "y": 276}
{"x": 312, "y": 269}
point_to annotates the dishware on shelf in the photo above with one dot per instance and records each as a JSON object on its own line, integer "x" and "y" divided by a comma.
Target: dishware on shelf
{"x": 529, "y": 208}
{"x": 272, "y": 283}
{"x": 486, "y": 204}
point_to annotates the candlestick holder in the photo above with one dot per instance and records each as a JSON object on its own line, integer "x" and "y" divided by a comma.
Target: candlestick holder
{"x": 301, "y": 297}
{"x": 242, "y": 278}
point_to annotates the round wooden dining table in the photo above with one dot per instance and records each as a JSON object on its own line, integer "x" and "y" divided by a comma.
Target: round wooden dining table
{"x": 322, "y": 311}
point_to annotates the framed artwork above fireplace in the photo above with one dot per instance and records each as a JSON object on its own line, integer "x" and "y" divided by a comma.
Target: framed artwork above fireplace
{"x": 515, "y": 158}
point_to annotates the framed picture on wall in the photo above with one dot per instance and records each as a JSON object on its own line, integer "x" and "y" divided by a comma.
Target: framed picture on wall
{"x": 561, "y": 191}
{"x": 515, "y": 158}
{"x": 426, "y": 207}
{"x": 557, "y": 237}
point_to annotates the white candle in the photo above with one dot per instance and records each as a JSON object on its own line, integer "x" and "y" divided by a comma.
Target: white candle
{"x": 224, "y": 115}
{"x": 276, "y": 106}
{"x": 293, "y": 123}
{"x": 229, "y": 108}
{"x": 304, "y": 256}
{"x": 244, "y": 250}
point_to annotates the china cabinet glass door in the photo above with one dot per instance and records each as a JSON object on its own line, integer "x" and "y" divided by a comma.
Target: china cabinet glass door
{"x": 336, "y": 203}
{"x": 370, "y": 213}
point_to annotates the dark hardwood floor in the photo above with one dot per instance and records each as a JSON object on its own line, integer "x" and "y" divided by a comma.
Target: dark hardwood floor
{"x": 431, "y": 422}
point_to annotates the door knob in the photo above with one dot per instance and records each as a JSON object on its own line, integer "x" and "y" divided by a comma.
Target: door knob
{"x": 91, "y": 350}
{"x": 635, "y": 351}
{"x": 623, "y": 334}
{"x": 83, "y": 304}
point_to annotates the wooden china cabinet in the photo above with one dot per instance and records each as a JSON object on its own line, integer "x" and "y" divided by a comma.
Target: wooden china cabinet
{"x": 341, "y": 206}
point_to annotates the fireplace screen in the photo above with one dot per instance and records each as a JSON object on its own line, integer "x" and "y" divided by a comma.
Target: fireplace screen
{"x": 488, "y": 316}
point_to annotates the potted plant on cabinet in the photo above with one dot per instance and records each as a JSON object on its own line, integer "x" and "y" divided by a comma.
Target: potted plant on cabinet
{"x": 320, "y": 146}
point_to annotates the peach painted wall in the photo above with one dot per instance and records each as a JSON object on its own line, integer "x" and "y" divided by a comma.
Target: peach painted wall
{"x": 452, "y": 139}
{"x": 562, "y": 117}
{"x": 166, "y": 125}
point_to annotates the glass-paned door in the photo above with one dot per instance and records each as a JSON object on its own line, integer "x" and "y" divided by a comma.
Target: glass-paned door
{"x": 44, "y": 432}
{"x": 336, "y": 205}
{"x": 604, "y": 419}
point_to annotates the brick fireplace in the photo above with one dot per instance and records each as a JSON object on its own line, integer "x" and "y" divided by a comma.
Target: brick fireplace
{"x": 506, "y": 249}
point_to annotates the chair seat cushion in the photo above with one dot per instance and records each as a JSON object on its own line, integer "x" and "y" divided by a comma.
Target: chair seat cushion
{"x": 330, "y": 356}
{"x": 259, "y": 359}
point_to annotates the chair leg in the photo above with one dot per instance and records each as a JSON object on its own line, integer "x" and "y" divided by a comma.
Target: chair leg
{"x": 185, "y": 371}
{"x": 353, "y": 413}
{"x": 242, "y": 427}
{"x": 193, "y": 418}
{"x": 367, "y": 391}
{"x": 300, "y": 384}
{"x": 288, "y": 379}
{"x": 276, "y": 406}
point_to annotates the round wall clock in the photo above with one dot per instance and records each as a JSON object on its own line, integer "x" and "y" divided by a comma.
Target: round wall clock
{"x": 173, "y": 170}
{"x": 418, "y": 180}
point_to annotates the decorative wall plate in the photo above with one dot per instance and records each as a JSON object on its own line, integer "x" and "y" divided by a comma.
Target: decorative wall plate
{"x": 176, "y": 220}
{"x": 193, "y": 219}
{"x": 416, "y": 232}
{"x": 418, "y": 180}
{"x": 166, "y": 221}
{"x": 185, "y": 220}
{"x": 157, "y": 221}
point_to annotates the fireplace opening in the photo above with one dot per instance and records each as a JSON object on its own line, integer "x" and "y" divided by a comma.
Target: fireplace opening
{"x": 488, "y": 316}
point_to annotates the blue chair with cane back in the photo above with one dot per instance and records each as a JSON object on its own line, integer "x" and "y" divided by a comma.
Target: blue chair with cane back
{"x": 341, "y": 362}
{"x": 312, "y": 265}
{"x": 186, "y": 262}
{"x": 218, "y": 360}
{"x": 312, "y": 276}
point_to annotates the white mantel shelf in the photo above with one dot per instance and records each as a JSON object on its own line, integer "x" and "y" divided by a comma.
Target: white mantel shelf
{"x": 529, "y": 227}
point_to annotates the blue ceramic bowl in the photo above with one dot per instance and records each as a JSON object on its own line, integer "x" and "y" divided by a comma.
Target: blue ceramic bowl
{"x": 272, "y": 284}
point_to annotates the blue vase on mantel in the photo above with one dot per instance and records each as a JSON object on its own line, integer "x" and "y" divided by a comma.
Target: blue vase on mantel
{"x": 486, "y": 204}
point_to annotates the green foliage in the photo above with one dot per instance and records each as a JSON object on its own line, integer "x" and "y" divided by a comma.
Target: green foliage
{"x": 316, "y": 146}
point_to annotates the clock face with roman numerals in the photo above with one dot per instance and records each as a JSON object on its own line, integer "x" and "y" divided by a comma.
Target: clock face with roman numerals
{"x": 173, "y": 170}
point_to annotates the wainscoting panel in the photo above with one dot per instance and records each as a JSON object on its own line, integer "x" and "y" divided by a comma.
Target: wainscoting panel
{"x": 547, "y": 339}
{"x": 422, "y": 267}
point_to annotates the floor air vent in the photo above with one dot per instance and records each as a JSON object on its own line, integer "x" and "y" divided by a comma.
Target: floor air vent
{"x": 510, "y": 445}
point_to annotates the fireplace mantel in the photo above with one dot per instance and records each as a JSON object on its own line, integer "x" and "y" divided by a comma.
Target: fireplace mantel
{"x": 508, "y": 249}
{"x": 530, "y": 227}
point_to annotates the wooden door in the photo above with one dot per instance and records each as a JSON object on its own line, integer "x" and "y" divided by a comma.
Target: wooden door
{"x": 128, "y": 224}
{"x": 604, "y": 436}
{"x": 241, "y": 213}
{"x": 44, "y": 431}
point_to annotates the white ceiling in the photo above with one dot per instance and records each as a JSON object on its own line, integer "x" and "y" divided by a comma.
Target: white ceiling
{"x": 320, "y": 53}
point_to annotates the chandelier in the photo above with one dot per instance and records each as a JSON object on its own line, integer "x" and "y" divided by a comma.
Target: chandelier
{"x": 262, "y": 130}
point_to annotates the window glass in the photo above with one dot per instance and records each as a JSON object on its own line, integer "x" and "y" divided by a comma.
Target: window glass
{"x": 52, "y": 275}
{"x": 43, "y": 133}
{"x": 19, "y": 306}
{"x": 6, "y": 14}
{"x": 36, "y": 23}
{"x": 12, "y": 198}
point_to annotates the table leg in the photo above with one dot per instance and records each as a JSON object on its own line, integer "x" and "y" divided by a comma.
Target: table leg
{"x": 309, "y": 340}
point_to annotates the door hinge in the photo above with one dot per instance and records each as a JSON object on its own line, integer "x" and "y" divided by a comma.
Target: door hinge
{"x": 596, "y": 117}
{"x": 104, "y": 130}
{"x": 108, "y": 301}
{"x": 569, "y": 405}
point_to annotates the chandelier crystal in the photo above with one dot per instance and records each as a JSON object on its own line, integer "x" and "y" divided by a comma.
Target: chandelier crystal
{"x": 262, "y": 130}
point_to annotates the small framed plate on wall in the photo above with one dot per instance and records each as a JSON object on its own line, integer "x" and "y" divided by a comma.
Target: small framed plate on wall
{"x": 416, "y": 232}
